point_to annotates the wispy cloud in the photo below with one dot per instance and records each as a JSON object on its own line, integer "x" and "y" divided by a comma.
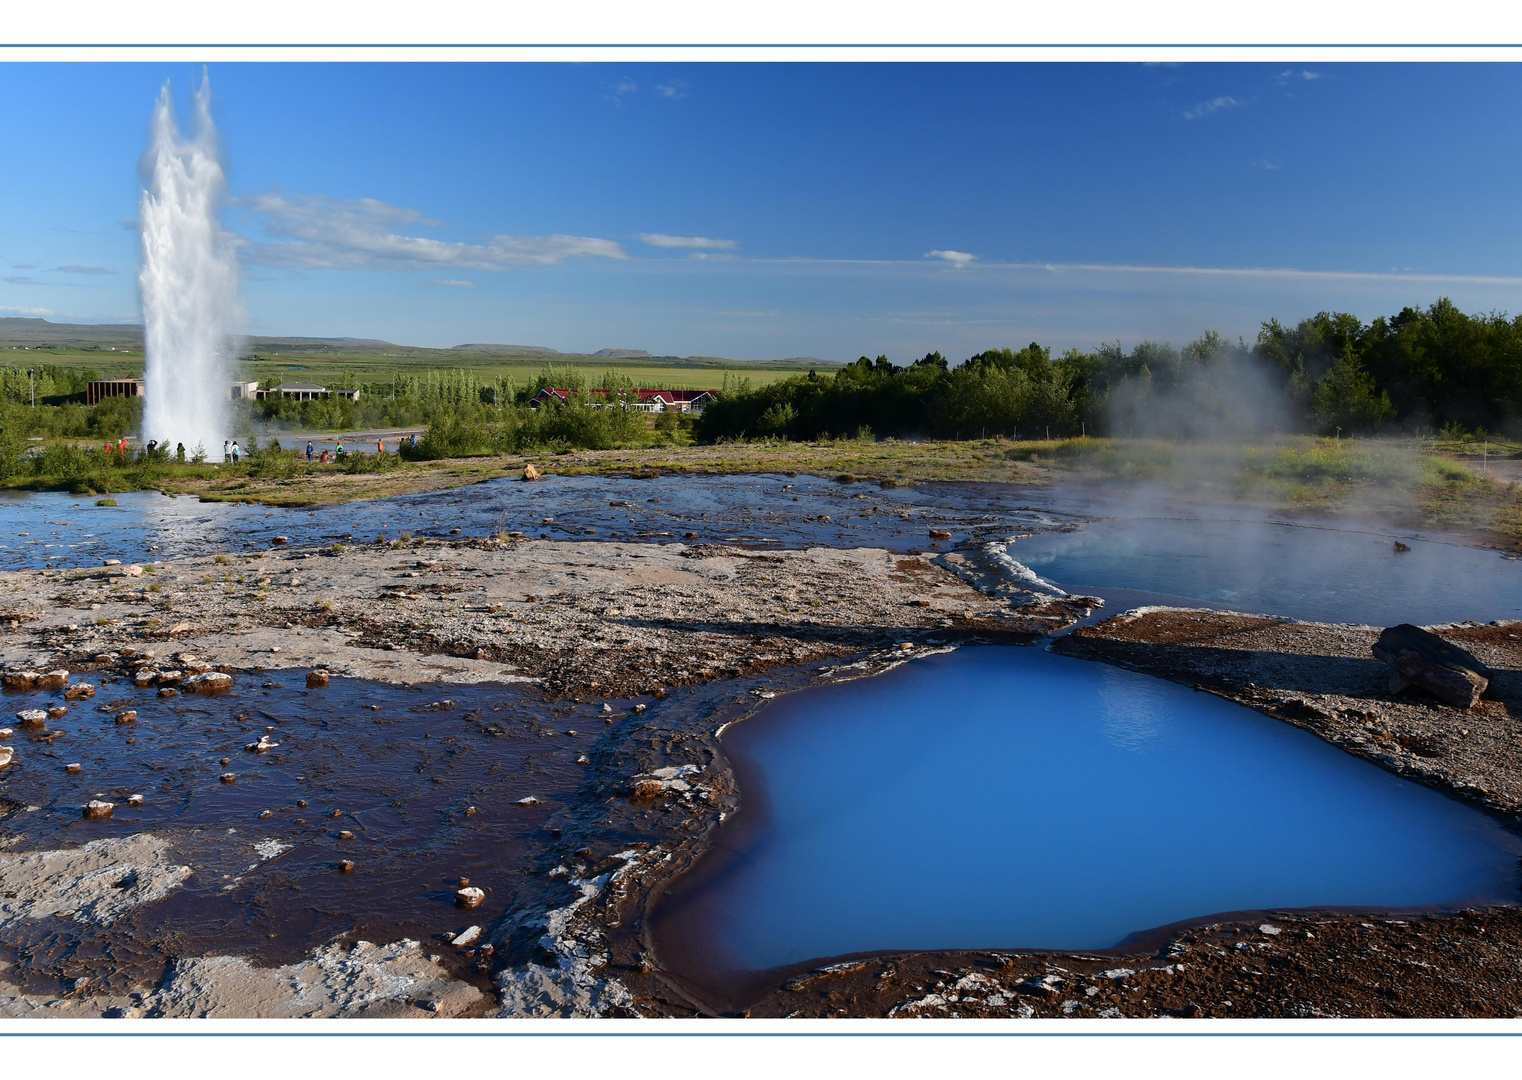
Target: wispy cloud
{"x": 315, "y": 232}
{"x": 23, "y": 266}
{"x": 453, "y": 283}
{"x": 1214, "y": 105}
{"x": 671, "y": 88}
{"x": 665, "y": 240}
{"x": 622, "y": 89}
{"x": 33, "y": 312}
{"x": 1266, "y": 165}
{"x": 76, "y": 269}
{"x": 959, "y": 259}
{"x": 1303, "y": 76}
{"x": 749, "y": 314}
{"x": 20, "y": 280}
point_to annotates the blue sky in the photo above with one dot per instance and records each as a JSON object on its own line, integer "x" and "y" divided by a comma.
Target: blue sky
{"x": 768, "y": 210}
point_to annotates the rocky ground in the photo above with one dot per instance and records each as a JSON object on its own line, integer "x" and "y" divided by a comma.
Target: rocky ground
{"x": 699, "y": 637}
{"x": 576, "y": 619}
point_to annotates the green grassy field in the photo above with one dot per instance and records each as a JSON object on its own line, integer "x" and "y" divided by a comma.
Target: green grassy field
{"x": 373, "y": 370}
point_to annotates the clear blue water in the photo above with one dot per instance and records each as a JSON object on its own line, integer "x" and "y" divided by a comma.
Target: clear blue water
{"x": 1302, "y": 570}
{"x": 1009, "y": 797}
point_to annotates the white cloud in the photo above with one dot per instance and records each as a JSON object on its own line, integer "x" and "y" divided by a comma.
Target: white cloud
{"x": 1205, "y": 108}
{"x": 673, "y": 88}
{"x": 663, "y": 240}
{"x": 1290, "y": 74}
{"x": 1266, "y": 165}
{"x": 33, "y": 312}
{"x": 455, "y": 284}
{"x": 76, "y": 269}
{"x": 959, "y": 259}
{"x": 315, "y": 232}
{"x": 623, "y": 87}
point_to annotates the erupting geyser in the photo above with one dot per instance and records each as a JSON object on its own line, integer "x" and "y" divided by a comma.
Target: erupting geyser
{"x": 189, "y": 283}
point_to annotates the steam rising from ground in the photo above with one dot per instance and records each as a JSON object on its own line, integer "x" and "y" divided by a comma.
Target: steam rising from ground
{"x": 189, "y": 282}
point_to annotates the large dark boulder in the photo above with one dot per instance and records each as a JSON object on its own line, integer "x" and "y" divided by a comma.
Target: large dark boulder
{"x": 1422, "y": 659}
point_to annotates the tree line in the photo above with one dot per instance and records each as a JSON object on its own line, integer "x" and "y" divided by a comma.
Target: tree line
{"x": 1422, "y": 370}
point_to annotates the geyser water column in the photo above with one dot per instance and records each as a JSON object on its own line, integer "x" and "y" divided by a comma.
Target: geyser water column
{"x": 189, "y": 283}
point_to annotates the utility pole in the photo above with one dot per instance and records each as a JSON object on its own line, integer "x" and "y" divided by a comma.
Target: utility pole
{"x": 33, "y": 383}
{"x": 393, "y": 386}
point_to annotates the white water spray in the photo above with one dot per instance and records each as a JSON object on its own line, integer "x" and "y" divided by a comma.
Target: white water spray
{"x": 189, "y": 283}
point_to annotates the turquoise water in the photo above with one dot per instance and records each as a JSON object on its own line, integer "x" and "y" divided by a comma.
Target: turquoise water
{"x": 1009, "y": 797}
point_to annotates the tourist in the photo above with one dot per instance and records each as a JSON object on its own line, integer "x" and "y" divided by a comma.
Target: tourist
{"x": 309, "y": 450}
{"x": 179, "y": 451}
{"x": 380, "y": 447}
{"x": 121, "y": 446}
{"x": 338, "y": 448}
{"x": 227, "y": 454}
{"x": 236, "y": 451}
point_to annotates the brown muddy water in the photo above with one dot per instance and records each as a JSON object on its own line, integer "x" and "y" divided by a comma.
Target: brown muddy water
{"x": 426, "y": 780}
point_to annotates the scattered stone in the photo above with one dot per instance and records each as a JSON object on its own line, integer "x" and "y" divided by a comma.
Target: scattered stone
{"x": 282, "y": 540}
{"x": 465, "y": 937}
{"x": 640, "y": 707}
{"x": 32, "y": 718}
{"x": 1270, "y": 929}
{"x": 134, "y": 570}
{"x": 263, "y": 746}
{"x": 126, "y": 716}
{"x": 528, "y": 800}
{"x": 229, "y": 778}
{"x": 266, "y": 814}
{"x": 167, "y": 691}
{"x": 346, "y": 835}
{"x": 345, "y": 866}
{"x": 21, "y": 680}
{"x": 79, "y": 691}
{"x": 940, "y": 534}
{"x": 530, "y": 473}
{"x": 1401, "y": 549}
{"x": 111, "y": 562}
{"x": 226, "y": 761}
{"x": 134, "y": 800}
{"x": 469, "y": 897}
{"x": 56, "y": 711}
{"x": 96, "y": 809}
{"x": 72, "y": 768}
{"x": 7, "y": 755}
{"x": 647, "y": 789}
{"x": 316, "y": 680}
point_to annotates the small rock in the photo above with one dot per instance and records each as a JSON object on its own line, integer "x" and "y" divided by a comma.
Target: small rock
{"x": 940, "y": 534}
{"x": 7, "y": 755}
{"x": 282, "y": 540}
{"x": 582, "y": 759}
{"x": 208, "y": 682}
{"x": 346, "y": 835}
{"x": 72, "y": 768}
{"x": 647, "y": 789}
{"x": 228, "y": 778}
{"x": 469, "y": 897}
{"x": 606, "y": 707}
{"x": 468, "y": 936}
{"x": 21, "y": 680}
{"x": 79, "y": 691}
{"x": 530, "y": 473}
{"x": 640, "y": 707}
{"x": 1270, "y": 929}
{"x": 134, "y": 570}
{"x": 95, "y": 810}
{"x": 56, "y": 711}
{"x": 266, "y": 813}
{"x": 1400, "y": 548}
{"x": 316, "y": 680}
{"x": 126, "y": 716}
{"x": 528, "y": 800}
{"x": 31, "y": 718}
{"x": 167, "y": 691}
{"x": 111, "y": 562}
{"x": 345, "y": 866}
{"x": 134, "y": 800}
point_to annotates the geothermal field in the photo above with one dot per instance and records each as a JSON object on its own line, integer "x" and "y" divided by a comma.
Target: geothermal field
{"x": 686, "y": 745}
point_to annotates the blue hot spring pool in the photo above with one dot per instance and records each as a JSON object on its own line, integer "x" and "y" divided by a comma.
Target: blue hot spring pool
{"x": 1005, "y": 797}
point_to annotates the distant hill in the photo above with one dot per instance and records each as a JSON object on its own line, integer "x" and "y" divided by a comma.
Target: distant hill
{"x": 509, "y": 350}
{"x": 42, "y": 334}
